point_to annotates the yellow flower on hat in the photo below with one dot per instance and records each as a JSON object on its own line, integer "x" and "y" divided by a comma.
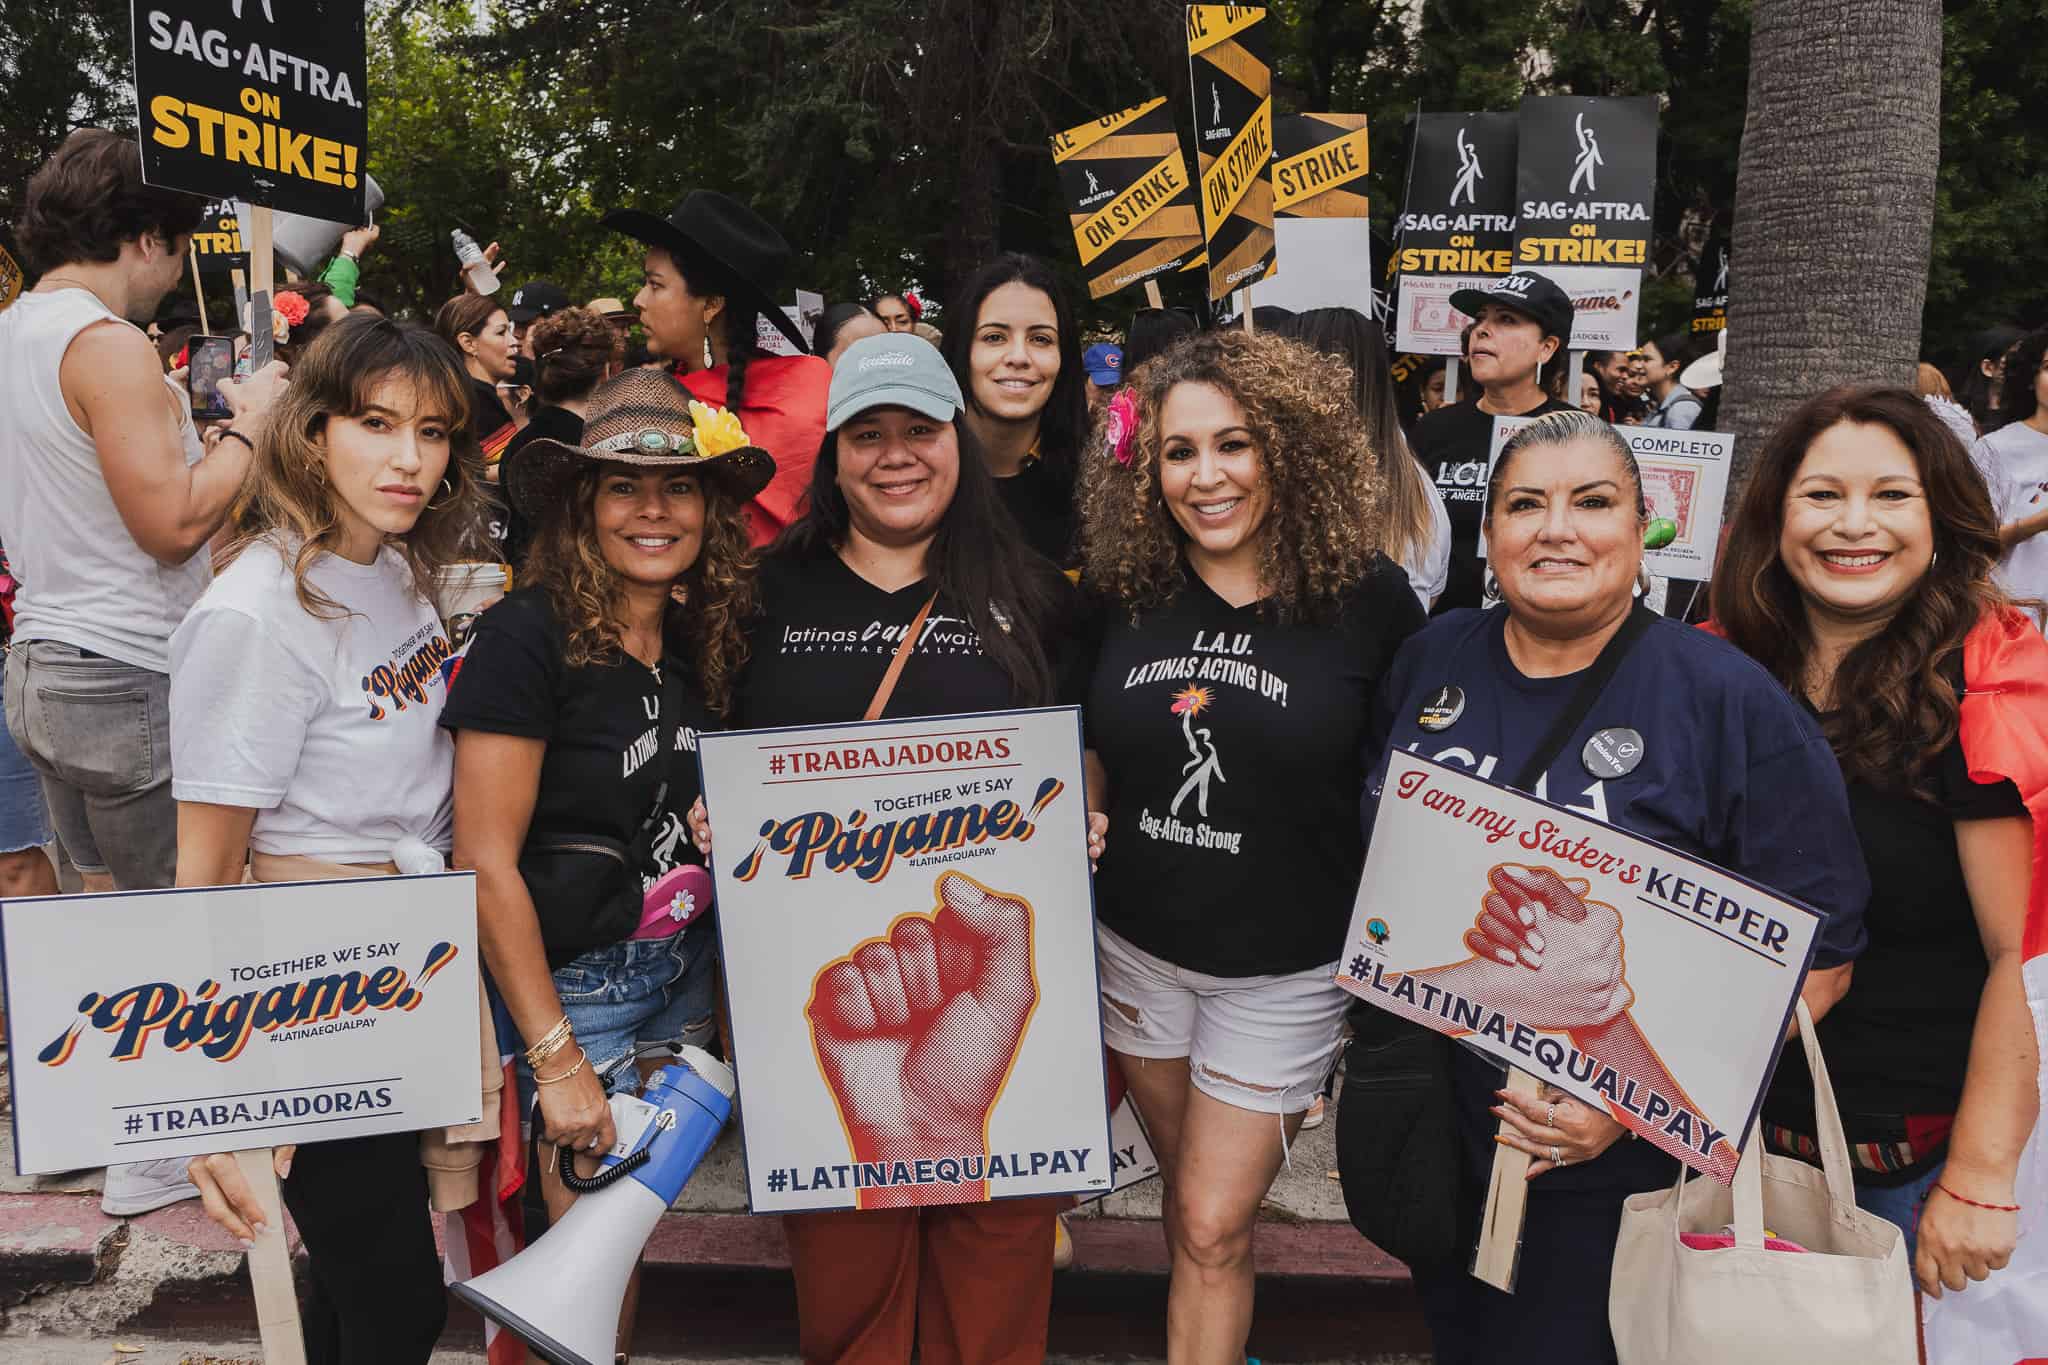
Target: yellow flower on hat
{"x": 717, "y": 430}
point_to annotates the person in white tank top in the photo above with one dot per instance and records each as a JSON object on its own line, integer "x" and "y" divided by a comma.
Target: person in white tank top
{"x": 107, "y": 502}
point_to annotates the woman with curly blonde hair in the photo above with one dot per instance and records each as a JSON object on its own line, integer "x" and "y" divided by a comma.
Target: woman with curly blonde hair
{"x": 1230, "y": 526}
{"x": 576, "y": 719}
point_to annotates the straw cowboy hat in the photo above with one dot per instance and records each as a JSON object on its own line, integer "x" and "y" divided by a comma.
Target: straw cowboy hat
{"x": 646, "y": 420}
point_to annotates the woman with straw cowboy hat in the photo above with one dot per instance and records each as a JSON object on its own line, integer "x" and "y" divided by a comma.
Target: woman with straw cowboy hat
{"x": 713, "y": 271}
{"x": 592, "y": 902}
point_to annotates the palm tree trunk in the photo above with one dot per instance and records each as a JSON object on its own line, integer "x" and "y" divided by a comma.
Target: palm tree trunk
{"x": 1834, "y": 205}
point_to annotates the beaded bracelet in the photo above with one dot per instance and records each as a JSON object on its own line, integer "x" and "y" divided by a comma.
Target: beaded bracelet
{"x": 1976, "y": 1204}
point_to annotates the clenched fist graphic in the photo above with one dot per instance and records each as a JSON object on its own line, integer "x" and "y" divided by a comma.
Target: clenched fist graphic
{"x": 915, "y": 1034}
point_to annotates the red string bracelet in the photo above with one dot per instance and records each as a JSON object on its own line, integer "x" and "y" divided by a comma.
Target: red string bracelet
{"x": 1975, "y": 1204}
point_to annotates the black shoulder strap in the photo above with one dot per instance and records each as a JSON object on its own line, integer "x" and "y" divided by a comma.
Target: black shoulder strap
{"x": 1591, "y": 684}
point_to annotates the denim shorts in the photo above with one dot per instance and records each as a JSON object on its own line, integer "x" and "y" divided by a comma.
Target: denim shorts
{"x": 24, "y": 820}
{"x": 639, "y": 992}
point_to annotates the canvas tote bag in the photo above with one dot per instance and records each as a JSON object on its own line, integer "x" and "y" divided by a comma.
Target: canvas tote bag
{"x": 1846, "y": 1300}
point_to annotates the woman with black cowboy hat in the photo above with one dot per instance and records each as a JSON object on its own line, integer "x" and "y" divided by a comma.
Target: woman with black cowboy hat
{"x": 576, "y": 718}
{"x": 713, "y": 269}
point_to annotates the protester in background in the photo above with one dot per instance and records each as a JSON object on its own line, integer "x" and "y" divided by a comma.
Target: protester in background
{"x": 107, "y": 503}
{"x": 1703, "y": 377}
{"x": 1016, "y": 351}
{"x": 1930, "y": 382}
{"x": 969, "y": 1283}
{"x": 1620, "y": 395}
{"x": 1153, "y": 331}
{"x": 2014, "y": 461}
{"x": 1932, "y": 387}
{"x": 1636, "y": 383}
{"x": 1103, "y": 363}
{"x": 839, "y": 326}
{"x": 1725, "y": 755}
{"x": 362, "y": 488}
{"x": 1521, "y": 322}
{"x": 713, "y": 270}
{"x": 574, "y": 351}
{"x": 24, "y": 820}
{"x": 1415, "y": 531}
{"x": 931, "y": 334}
{"x": 1980, "y": 379}
{"x": 636, "y": 590}
{"x": 1245, "y": 502}
{"x": 1434, "y": 375}
{"x": 1672, "y": 405}
{"x": 617, "y": 316}
{"x": 1858, "y": 571}
{"x": 1590, "y": 399}
{"x": 530, "y": 303}
{"x": 345, "y": 271}
{"x": 897, "y": 311}
{"x": 480, "y": 330}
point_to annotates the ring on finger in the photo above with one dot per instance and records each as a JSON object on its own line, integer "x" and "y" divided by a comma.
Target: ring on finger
{"x": 1550, "y": 1115}
{"x": 1553, "y": 1155}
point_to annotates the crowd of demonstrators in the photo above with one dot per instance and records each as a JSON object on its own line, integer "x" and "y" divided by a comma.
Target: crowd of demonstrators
{"x": 364, "y": 484}
{"x": 1016, "y": 352}
{"x": 1521, "y": 322}
{"x": 1979, "y": 381}
{"x": 677, "y": 519}
{"x": 1244, "y": 504}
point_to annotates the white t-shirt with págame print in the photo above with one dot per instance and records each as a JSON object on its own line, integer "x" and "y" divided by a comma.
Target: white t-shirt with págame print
{"x": 326, "y": 727}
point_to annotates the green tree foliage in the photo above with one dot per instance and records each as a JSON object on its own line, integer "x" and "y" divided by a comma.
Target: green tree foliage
{"x": 60, "y": 66}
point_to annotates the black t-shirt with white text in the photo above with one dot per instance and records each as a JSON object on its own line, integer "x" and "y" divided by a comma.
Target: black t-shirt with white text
{"x": 823, "y": 636}
{"x": 1453, "y": 444}
{"x": 605, "y": 734}
{"x": 1043, "y": 504}
{"x": 1234, "y": 747}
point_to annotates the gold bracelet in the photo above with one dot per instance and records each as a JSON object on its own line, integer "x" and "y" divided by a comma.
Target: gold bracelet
{"x": 582, "y": 1060}
{"x": 551, "y": 1042}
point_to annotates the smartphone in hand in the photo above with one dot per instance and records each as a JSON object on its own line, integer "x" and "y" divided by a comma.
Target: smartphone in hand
{"x": 210, "y": 360}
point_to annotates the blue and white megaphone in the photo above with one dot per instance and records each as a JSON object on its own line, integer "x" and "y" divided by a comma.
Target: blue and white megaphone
{"x": 563, "y": 1294}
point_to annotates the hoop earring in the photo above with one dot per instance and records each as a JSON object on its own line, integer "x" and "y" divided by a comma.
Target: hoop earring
{"x": 1490, "y": 585}
{"x": 448, "y": 491}
{"x": 709, "y": 360}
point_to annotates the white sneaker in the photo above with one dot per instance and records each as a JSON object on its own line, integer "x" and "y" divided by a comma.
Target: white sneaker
{"x": 146, "y": 1185}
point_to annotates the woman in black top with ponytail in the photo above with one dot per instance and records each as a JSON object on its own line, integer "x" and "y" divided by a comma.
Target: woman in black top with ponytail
{"x": 713, "y": 271}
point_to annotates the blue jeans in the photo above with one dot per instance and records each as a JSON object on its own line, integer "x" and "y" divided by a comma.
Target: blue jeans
{"x": 1899, "y": 1205}
{"x": 24, "y": 822}
{"x": 98, "y": 731}
{"x": 634, "y": 993}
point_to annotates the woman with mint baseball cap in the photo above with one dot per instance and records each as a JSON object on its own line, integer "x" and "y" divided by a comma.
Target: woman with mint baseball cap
{"x": 904, "y": 528}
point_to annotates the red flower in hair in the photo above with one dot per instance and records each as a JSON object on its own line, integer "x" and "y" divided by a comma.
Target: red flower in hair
{"x": 915, "y": 304}
{"x": 293, "y": 306}
{"x": 1120, "y": 426}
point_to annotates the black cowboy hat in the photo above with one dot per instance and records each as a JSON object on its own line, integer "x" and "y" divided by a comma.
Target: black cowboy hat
{"x": 709, "y": 226}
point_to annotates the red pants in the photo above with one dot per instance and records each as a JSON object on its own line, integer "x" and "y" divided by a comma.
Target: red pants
{"x": 966, "y": 1284}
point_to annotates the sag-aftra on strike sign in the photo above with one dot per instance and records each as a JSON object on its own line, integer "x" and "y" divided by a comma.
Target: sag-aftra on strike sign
{"x": 257, "y": 100}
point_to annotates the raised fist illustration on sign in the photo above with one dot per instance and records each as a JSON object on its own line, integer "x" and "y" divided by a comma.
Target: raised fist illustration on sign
{"x": 916, "y": 1032}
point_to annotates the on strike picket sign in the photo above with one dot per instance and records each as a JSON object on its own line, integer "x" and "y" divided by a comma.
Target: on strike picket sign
{"x": 1128, "y": 196}
{"x": 1585, "y": 174}
{"x": 1710, "y": 287}
{"x": 1664, "y": 985}
{"x": 1319, "y": 215}
{"x": 1457, "y": 228}
{"x": 145, "y": 1024}
{"x": 908, "y": 929}
{"x": 218, "y": 242}
{"x": 1230, "y": 80}
{"x": 258, "y": 100}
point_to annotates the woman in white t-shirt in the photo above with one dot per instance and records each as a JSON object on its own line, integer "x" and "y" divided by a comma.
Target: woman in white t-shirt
{"x": 2014, "y": 462}
{"x": 306, "y": 687}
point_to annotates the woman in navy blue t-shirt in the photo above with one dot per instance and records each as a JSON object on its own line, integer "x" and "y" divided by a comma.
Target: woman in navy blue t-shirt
{"x": 1726, "y": 768}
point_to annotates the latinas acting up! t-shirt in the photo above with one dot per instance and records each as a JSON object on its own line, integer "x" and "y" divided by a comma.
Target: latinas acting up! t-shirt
{"x": 325, "y": 726}
{"x": 609, "y": 748}
{"x": 823, "y": 637}
{"x": 1234, "y": 746}
{"x": 1733, "y": 772}
{"x": 1453, "y": 444}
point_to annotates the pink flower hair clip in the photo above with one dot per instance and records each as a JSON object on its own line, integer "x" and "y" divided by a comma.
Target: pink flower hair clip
{"x": 1120, "y": 426}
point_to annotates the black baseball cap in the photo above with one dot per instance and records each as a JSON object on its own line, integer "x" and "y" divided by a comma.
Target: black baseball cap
{"x": 1528, "y": 293}
{"x": 535, "y": 300}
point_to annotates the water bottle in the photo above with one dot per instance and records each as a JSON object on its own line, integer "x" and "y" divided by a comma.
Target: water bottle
{"x": 481, "y": 277}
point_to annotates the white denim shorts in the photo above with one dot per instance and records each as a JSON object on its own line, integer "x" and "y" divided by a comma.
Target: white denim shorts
{"x": 1263, "y": 1043}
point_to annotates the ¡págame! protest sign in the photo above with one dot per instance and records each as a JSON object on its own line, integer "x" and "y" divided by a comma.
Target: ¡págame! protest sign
{"x": 909, "y": 933}
{"x": 1231, "y": 82}
{"x": 145, "y": 1024}
{"x": 1663, "y": 987}
{"x": 1128, "y": 195}
{"x": 258, "y": 100}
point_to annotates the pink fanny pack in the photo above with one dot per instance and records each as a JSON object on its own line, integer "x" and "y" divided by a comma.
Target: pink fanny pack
{"x": 678, "y": 896}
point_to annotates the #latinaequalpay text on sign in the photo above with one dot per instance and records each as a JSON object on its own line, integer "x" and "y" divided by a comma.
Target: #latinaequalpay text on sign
{"x": 908, "y": 930}
{"x": 146, "y": 1024}
{"x": 1651, "y": 985}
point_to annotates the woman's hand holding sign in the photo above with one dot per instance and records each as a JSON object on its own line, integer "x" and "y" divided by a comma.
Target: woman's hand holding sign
{"x": 1554, "y": 1128}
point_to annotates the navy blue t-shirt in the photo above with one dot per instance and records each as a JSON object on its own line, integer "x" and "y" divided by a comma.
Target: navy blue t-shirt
{"x": 1734, "y": 772}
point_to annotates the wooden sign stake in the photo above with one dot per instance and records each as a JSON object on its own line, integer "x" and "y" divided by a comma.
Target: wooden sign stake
{"x": 198, "y": 289}
{"x": 1244, "y": 305}
{"x": 1575, "y": 375}
{"x": 262, "y": 277}
{"x": 270, "y": 1266}
{"x": 1450, "y": 380}
{"x": 240, "y": 280}
{"x": 1507, "y": 1204}
{"x": 1152, "y": 294}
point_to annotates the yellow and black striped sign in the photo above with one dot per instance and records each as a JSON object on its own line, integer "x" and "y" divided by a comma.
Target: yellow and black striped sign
{"x": 1319, "y": 166}
{"x": 10, "y": 279}
{"x": 1128, "y": 196}
{"x": 1231, "y": 82}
